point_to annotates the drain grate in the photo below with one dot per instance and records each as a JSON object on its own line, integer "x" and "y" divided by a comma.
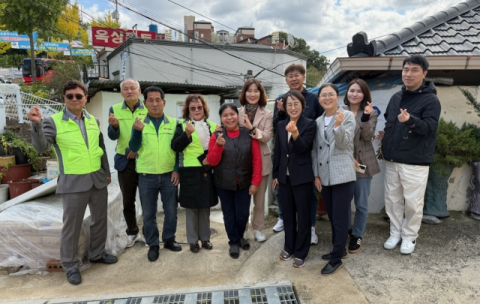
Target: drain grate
{"x": 259, "y": 296}
{"x": 204, "y": 298}
{"x": 231, "y": 297}
{"x": 265, "y": 295}
{"x": 286, "y": 295}
{"x": 170, "y": 299}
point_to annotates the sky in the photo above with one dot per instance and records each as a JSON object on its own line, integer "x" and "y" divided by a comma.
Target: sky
{"x": 326, "y": 25}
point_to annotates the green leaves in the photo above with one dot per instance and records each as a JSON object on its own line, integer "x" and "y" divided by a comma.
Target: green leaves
{"x": 456, "y": 146}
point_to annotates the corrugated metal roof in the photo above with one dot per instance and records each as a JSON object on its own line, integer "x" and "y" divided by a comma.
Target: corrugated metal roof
{"x": 95, "y": 86}
{"x": 454, "y": 31}
{"x": 109, "y": 83}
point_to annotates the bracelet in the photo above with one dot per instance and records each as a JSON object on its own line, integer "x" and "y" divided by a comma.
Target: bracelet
{"x": 253, "y": 129}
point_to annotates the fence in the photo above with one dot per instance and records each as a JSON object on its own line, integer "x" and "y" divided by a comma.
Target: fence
{"x": 17, "y": 104}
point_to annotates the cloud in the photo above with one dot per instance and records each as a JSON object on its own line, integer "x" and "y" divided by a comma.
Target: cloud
{"x": 324, "y": 24}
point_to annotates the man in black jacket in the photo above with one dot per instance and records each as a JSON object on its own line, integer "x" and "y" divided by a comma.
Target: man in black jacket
{"x": 408, "y": 146}
{"x": 295, "y": 77}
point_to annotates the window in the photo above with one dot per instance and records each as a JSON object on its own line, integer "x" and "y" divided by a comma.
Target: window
{"x": 201, "y": 35}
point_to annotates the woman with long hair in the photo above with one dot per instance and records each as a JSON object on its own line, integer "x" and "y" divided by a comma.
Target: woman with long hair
{"x": 359, "y": 101}
{"x": 256, "y": 118}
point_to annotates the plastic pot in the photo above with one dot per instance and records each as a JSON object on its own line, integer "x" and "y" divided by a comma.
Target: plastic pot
{"x": 18, "y": 187}
{"x": 17, "y": 172}
{"x": 3, "y": 193}
{"x": 7, "y": 160}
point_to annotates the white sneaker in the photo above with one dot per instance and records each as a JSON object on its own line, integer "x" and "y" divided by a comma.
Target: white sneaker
{"x": 132, "y": 239}
{"x": 391, "y": 243}
{"x": 278, "y": 226}
{"x": 314, "y": 240}
{"x": 407, "y": 247}
{"x": 259, "y": 236}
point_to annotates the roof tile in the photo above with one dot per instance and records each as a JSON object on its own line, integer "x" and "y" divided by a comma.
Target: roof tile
{"x": 453, "y": 31}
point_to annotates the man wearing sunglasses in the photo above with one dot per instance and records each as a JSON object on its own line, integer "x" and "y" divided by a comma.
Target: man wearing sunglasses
{"x": 121, "y": 118}
{"x": 83, "y": 175}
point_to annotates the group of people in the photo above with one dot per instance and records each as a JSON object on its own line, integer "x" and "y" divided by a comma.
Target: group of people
{"x": 318, "y": 146}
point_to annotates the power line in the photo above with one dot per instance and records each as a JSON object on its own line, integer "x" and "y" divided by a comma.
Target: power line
{"x": 201, "y": 15}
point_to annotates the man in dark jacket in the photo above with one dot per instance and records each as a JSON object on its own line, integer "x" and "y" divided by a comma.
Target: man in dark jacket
{"x": 295, "y": 77}
{"x": 408, "y": 146}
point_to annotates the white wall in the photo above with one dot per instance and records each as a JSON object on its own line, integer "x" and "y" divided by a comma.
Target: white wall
{"x": 147, "y": 62}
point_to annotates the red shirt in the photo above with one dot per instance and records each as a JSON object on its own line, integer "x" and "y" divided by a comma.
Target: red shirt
{"x": 214, "y": 155}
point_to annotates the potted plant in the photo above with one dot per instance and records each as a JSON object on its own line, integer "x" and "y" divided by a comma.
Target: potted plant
{"x": 455, "y": 147}
{"x": 7, "y": 158}
{"x": 25, "y": 157}
{"x": 474, "y": 207}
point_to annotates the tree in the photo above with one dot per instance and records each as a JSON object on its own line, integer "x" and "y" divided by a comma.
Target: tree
{"x": 106, "y": 21}
{"x": 313, "y": 76}
{"x": 319, "y": 62}
{"x": 27, "y": 15}
{"x": 69, "y": 22}
{"x": 64, "y": 71}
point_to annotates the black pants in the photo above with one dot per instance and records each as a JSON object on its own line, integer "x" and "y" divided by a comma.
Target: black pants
{"x": 128, "y": 180}
{"x": 296, "y": 207}
{"x": 235, "y": 208}
{"x": 337, "y": 201}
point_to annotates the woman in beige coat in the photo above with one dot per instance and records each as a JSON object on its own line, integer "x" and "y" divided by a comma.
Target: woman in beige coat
{"x": 255, "y": 117}
{"x": 359, "y": 101}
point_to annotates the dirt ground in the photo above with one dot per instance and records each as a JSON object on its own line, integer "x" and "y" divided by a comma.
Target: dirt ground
{"x": 445, "y": 268}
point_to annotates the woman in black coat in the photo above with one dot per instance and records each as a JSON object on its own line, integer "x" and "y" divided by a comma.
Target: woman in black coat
{"x": 197, "y": 190}
{"x": 293, "y": 174}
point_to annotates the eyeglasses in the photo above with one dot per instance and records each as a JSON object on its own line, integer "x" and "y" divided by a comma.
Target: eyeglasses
{"x": 77, "y": 96}
{"x": 293, "y": 105}
{"x": 331, "y": 95}
{"x": 193, "y": 109}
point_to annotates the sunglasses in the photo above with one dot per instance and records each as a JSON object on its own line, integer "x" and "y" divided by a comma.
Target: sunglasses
{"x": 77, "y": 96}
{"x": 199, "y": 108}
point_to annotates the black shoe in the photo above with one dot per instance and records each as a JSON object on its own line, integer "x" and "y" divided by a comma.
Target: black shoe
{"x": 330, "y": 269}
{"x": 355, "y": 244}
{"x": 194, "y": 247}
{"x": 153, "y": 253}
{"x": 328, "y": 256}
{"x": 172, "y": 245}
{"x": 244, "y": 244}
{"x": 234, "y": 251}
{"x": 106, "y": 259}
{"x": 74, "y": 277}
{"x": 207, "y": 245}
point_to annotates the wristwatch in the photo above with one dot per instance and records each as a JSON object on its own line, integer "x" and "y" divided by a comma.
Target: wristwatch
{"x": 253, "y": 129}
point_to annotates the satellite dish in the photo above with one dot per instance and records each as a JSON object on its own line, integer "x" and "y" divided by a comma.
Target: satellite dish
{"x": 290, "y": 40}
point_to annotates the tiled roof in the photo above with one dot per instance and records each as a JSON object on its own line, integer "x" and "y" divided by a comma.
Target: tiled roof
{"x": 454, "y": 31}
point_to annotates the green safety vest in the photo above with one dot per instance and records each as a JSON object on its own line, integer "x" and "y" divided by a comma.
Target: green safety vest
{"x": 126, "y": 119}
{"x": 195, "y": 148}
{"x": 155, "y": 155}
{"x": 74, "y": 157}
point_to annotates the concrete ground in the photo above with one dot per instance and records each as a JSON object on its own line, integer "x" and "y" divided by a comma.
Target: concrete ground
{"x": 445, "y": 268}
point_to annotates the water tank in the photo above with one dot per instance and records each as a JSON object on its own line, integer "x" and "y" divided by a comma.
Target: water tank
{"x": 153, "y": 28}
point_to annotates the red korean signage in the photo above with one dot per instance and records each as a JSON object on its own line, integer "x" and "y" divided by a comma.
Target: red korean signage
{"x": 108, "y": 37}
